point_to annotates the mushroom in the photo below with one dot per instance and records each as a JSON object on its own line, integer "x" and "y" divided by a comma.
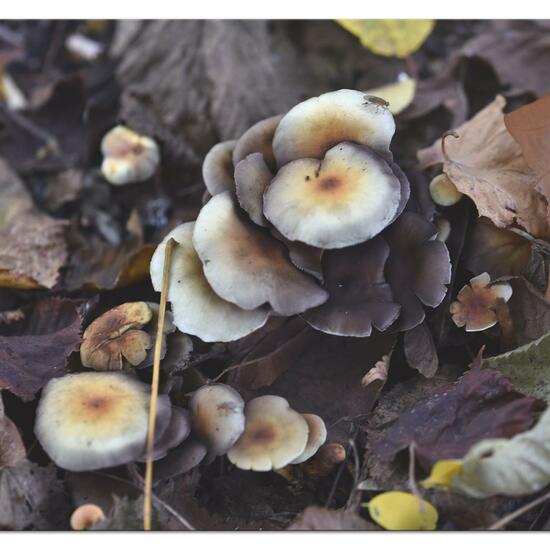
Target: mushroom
{"x": 312, "y": 127}
{"x": 86, "y": 516}
{"x": 258, "y": 139}
{"x": 475, "y": 308}
{"x": 245, "y": 265}
{"x": 316, "y": 437}
{"x": 196, "y": 308}
{"x": 274, "y": 435}
{"x": 359, "y": 296}
{"x": 117, "y": 338}
{"x": 418, "y": 268}
{"x": 323, "y": 462}
{"x": 217, "y": 415}
{"x": 252, "y": 176}
{"x": 347, "y": 198}
{"x": 94, "y": 420}
{"x": 128, "y": 156}
{"x": 443, "y": 191}
{"x": 217, "y": 168}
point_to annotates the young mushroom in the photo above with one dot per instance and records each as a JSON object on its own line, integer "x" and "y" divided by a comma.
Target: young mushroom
{"x": 94, "y": 420}
{"x": 128, "y": 157}
{"x": 325, "y": 460}
{"x": 274, "y": 435}
{"x": 475, "y": 308}
{"x": 86, "y": 516}
{"x": 217, "y": 415}
{"x": 443, "y": 191}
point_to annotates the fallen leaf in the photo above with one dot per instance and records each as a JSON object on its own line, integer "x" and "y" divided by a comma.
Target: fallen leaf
{"x": 517, "y": 466}
{"x": 12, "y": 448}
{"x": 483, "y": 403}
{"x": 390, "y": 37}
{"x": 530, "y": 127}
{"x": 400, "y": 511}
{"x": 486, "y": 164}
{"x": 398, "y": 94}
{"x": 32, "y": 244}
{"x": 420, "y": 350}
{"x": 314, "y": 518}
{"x": 35, "y": 350}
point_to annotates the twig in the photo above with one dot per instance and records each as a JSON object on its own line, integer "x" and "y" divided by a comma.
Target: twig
{"x": 155, "y": 387}
{"x": 520, "y": 511}
{"x": 412, "y": 475}
{"x": 356, "y": 472}
{"x": 443, "y": 149}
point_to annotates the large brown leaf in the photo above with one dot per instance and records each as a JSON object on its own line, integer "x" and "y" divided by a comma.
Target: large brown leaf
{"x": 32, "y": 244}
{"x": 486, "y": 163}
{"x": 35, "y": 350}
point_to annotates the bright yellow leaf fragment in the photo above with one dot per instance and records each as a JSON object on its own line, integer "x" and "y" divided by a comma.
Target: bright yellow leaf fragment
{"x": 400, "y": 511}
{"x": 390, "y": 37}
{"x": 398, "y": 94}
{"x": 442, "y": 474}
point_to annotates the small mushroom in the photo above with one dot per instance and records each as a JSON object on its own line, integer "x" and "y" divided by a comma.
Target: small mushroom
{"x": 252, "y": 176}
{"x": 347, "y": 198}
{"x": 322, "y": 463}
{"x": 443, "y": 226}
{"x": 128, "y": 156}
{"x": 196, "y": 308}
{"x": 217, "y": 168}
{"x": 475, "y": 308}
{"x": 258, "y": 139}
{"x": 217, "y": 413}
{"x": 245, "y": 265}
{"x": 443, "y": 191}
{"x": 312, "y": 127}
{"x": 86, "y": 516}
{"x": 316, "y": 437}
{"x": 94, "y": 420}
{"x": 274, "y": 435}
{"x": 359, "y": 296}
{"x": 418, "y": 268}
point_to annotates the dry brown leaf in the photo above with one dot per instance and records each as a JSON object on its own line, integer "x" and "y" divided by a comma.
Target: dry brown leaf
{"x": 32, "y": 244}
{"x": 315, "y": 518}
{"x": 486, "y": 164}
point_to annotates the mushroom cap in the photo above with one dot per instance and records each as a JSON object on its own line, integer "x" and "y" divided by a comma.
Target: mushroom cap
{"x": 316, "y": 437}
{"x": 312, "y": 127}
{"x": 128, "y": 156}
{"x": 258, "y": 139}
{"x": 197, "y": 309}
{"x": 86, "y": 516}
{"x": 325, "y": 460}
{"x": 114, "y": 339}
{"x": 345, "y": 199}
{"x": 252, "y": 176}
{"x": 359, "y": 296}
{"x": 217, "y": 413}
{"x": 245, "y": 265}
{"x": 418, "y": 268}
{"x": 217, "y": 168}
{"x": 443, "y": 191}
{"x": 274, "y": 435}
{"x": 94, "y": 420}
{"x": 475, "y": 308}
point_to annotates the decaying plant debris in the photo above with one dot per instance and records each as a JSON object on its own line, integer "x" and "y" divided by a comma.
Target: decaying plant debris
{"x": 359, "y": 287}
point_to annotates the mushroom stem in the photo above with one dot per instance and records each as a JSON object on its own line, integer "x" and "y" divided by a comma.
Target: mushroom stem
{"x": 155, "y": 387}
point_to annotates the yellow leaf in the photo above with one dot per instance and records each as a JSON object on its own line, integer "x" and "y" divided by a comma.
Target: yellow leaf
{"x": 442, "y": 474}
{"x": 400, "y": 511}
{"x": 390, "y": 37}
{"x": 398, "y": 94}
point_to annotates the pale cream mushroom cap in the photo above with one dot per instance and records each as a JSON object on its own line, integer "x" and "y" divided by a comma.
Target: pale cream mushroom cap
{"x": 245, "y": 265}
{"x": 217, "y": 168}
{"x": 316, "y": 437}
{"x": 443, "y": 191}
{"x": 345, "y": 199}
{"x": 312, "y": 127}
{"x": 217, "y": 415}
{"x": 197, "y": 309}
{"x": 94, "y": 420}
{"x": 274, "y": 435}
{"x": 128, "y": 157}
{"x": 86, "y": 516}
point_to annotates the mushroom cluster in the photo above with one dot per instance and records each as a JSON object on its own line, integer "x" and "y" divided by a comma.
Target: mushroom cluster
{"x": 306, "y": 213}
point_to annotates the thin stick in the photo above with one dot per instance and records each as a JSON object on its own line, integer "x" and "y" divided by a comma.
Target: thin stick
{"x": 520, "y": 511}
{"x": 155, "y": 387}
